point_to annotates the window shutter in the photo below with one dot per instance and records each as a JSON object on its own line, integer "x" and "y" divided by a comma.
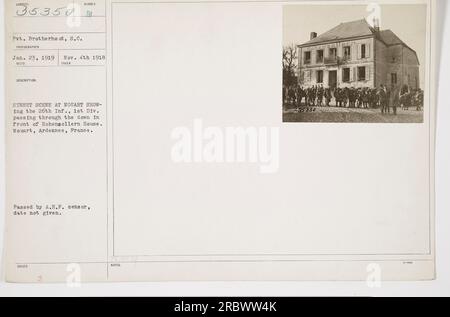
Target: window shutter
{"x": 355, "y": 74}
{"x": 359, "y": 50}
{"x": 367, "y": 72}
{"x": 368, "y": 50}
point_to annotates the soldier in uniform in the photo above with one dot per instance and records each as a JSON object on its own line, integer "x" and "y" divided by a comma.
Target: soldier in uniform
{"x": 336, "y": 96}
{"x": 382, "y": 96}
{"x": 319, "y": 96}
{"x": 405, "y": 97}
{"x": 299, "y": 96}
{"x": 345, "y": 96}
{"x": 351, "y": 97}
{"x": 291, "y": 95}
{"x": 327, "y": 96}
{"x": 395, "y": 97}
{"x": 373, "y": 98}
{"x": 357, "y": 93}
{"x": 361, "y": 97}
{"x": 388, "y": 98}
{"x": 340, "y": 96}
{"x": 365, "y": 97}
{"x": 308, "y": 96}
{"x": 314, "y": 95}
{"x": 369, "y": 97}
{"x": 419, "y": 99}
{"x": 356, "y": 97}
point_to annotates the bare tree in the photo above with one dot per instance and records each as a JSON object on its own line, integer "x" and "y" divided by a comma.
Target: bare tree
{"x": 289, "y": 64}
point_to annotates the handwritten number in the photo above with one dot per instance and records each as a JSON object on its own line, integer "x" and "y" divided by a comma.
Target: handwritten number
{"x": 57, "y": 11}
{"x": 45, "y": 12}
{"x": 24, "y": 10}
{"x": 70, "y": 11}
{"x": 33, "y": 12}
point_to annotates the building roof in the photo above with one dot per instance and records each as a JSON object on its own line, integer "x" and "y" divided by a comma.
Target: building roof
{"x": 345, "y": 30}
{"x": 389, "y": 38}
{"x": 358, "y": 28}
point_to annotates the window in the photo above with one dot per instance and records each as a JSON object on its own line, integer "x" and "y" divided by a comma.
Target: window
{"x": 361, "y": 73}
{"x": 320, "y": 76}
{"x": 346, "y": 75}
{"x": 333, "y": 52}
{"x": 319, "y": 56}
{"x": 363, "y": 51}
{"x": 307, "y": 58}
{"x": 347, "y": 54}
{"x": 394, "y": 79}
{"x": 307, "y": 75}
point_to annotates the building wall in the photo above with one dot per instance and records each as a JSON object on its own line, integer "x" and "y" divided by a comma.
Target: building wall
{"x": 381, "y": 66}
{"x": 410, "y": 68}
{"x": 308, "y": 72}
{"x": 395, "y": 59}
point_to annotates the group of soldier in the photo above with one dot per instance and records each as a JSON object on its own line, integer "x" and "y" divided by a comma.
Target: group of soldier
{"x": 351, "y": 97}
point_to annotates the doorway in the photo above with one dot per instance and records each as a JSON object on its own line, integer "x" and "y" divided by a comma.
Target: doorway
{"x": 332, "y": 79}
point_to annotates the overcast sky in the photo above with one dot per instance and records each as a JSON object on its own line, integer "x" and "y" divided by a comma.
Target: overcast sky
{"x": 407, "y": 21}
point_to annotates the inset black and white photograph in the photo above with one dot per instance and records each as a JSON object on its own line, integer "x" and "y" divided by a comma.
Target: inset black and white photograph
{"x": 354, "y": 63}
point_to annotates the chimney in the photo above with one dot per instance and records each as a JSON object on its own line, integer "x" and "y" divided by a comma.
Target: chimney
{"x": 313, "y": 35}
{"x": 376, "y": 25}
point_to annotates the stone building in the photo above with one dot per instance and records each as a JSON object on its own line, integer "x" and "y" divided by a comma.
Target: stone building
{"x": 358, "y": 55}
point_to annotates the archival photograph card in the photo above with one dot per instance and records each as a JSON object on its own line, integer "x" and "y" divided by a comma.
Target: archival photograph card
{"x": 220, "y": 140}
